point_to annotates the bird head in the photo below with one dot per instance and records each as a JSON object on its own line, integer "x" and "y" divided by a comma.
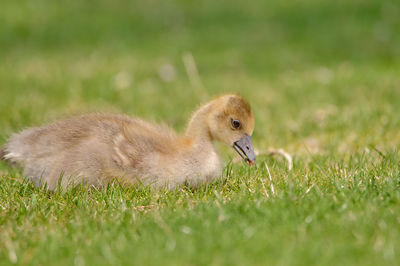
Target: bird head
{"x": 231, "y": 121}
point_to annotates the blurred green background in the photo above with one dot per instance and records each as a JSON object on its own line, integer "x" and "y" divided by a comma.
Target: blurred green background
{"x": 322, "y": 76}
{"x": 312, "y": 69}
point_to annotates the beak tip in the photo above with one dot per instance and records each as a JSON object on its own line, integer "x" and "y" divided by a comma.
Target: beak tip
{"x": 251, "y": 162}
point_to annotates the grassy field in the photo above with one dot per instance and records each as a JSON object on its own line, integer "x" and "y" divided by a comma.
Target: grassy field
{"x": 322, "y": 76}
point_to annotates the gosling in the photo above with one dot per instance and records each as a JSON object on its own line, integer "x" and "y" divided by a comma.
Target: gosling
{"x": 95, "y": 149}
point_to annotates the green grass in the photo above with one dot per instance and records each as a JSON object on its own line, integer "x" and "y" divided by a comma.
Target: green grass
{"x": 322, "y": 76}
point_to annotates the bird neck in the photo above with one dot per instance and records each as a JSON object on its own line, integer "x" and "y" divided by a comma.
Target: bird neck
{"x": 198, "y": 129}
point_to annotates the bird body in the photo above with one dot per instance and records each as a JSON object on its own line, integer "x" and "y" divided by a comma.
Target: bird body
{"x": 97, "y": 148}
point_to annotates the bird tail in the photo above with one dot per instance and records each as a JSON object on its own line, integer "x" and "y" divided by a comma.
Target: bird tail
{"x": 2, "y": 153}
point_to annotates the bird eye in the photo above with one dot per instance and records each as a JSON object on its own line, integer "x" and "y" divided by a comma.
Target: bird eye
{"x": 235, "y": 124}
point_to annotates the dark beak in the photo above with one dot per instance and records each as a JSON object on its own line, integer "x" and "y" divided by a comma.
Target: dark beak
{"x": 244, "y": 147}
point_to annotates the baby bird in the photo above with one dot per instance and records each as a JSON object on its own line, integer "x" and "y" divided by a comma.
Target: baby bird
{"x": 94, "y": 149}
